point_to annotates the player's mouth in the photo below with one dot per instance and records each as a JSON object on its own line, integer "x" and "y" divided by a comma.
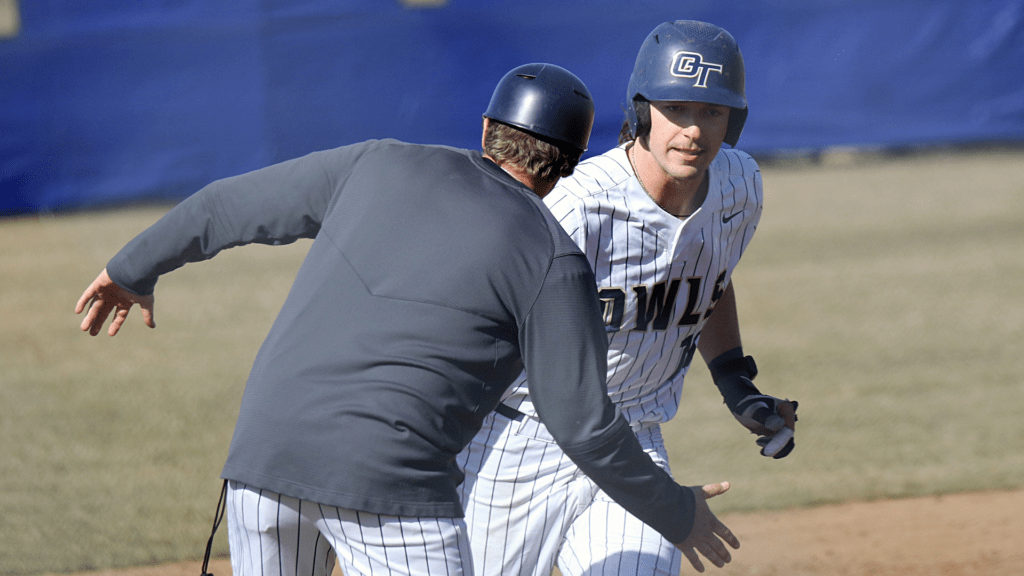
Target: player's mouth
{"x": 688, "y": 154}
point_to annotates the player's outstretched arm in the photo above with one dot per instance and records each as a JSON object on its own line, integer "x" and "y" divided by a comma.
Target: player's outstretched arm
{"x": 102, "y": 297}
{"x": 708, "y": 532}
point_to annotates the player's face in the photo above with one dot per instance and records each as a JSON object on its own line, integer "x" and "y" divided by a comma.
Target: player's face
{"x": 686, "y": 136}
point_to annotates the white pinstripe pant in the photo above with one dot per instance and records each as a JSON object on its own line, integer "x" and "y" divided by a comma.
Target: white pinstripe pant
{"x": 528, "y": 508}
{"x": 270, "y": 534}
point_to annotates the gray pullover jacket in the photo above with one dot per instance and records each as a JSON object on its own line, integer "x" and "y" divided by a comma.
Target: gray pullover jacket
{"x": 433, "y": 279}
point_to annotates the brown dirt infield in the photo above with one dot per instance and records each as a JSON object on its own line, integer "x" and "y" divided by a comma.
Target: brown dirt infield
{"x": 953, "y": 535}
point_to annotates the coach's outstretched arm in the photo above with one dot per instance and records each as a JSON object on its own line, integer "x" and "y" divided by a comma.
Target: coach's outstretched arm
{"x": 274, "y": 205}
{"x": 565, "y": 354}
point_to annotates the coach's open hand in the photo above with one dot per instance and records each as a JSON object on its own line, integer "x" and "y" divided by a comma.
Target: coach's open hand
{"x": 102, "y": 297}
{"x": 707, "y": 530}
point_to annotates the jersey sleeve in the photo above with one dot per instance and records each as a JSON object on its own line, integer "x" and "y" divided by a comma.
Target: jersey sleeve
{"x": 745, "y": 190}
{"x": 275, "y": 205}
{"x": 565, "y": 354}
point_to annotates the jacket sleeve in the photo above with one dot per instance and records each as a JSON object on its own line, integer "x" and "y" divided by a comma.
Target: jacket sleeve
{"x": 275, "y": 205}
{"x": 565, "y": 355}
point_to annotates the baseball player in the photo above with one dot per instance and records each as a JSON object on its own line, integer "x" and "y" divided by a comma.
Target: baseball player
{"x": 435, "y": 276}
{"x": 663, "y": 220}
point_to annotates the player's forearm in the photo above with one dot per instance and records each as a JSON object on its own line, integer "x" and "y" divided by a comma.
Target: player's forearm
{"x": 721, "y": 332}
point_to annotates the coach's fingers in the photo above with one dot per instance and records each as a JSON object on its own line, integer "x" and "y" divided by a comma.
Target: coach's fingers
{"x": 716, "y": 551}
{"x": 717, "y": 555}
{"x": 694, "y": 559}
{"x": 723, "y": 532}
{"x": 709, "y": 547}
{"x": 93, "y": 305}
{"x": 97, "y": 314}
{"x": 712, "y": 490}
{"x": 119, "y": 317}
{"x": 85, "y": 299}
{"x": 147, "y": 305}
{"x": 94, "y": 291}
{"x": 94, "y": 302}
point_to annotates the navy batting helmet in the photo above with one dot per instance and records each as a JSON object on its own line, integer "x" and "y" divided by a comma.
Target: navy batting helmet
{"x": 547, "y": 100}
{"x": 690, "y": 61}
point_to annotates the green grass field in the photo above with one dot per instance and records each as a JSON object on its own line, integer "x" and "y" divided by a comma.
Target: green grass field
{"x": 885, "y": 296}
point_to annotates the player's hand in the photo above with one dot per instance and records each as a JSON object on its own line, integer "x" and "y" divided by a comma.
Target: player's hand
{"x": 772, "y": 419}
{"x": 708, "y": 532}
{"x": 102, "y": 297}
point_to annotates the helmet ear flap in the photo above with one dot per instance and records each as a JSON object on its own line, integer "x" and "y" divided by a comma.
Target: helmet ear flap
{"x": 631, "y": 118}
{"x": 638, "y": 116}
{"x": 737, "y": 118}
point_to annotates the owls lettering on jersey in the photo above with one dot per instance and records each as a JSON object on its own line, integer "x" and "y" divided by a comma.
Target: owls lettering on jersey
{"x": 659, "y": 277}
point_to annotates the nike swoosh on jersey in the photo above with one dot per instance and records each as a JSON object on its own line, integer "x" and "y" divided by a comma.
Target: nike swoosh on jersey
{"x": 725, "y": 219}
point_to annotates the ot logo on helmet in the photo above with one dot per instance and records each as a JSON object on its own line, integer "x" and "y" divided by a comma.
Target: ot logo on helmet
{"x": 692, "y": 65}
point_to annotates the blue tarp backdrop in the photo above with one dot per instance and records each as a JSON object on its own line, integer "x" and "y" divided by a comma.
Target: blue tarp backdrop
{"x": 105, "y": 102}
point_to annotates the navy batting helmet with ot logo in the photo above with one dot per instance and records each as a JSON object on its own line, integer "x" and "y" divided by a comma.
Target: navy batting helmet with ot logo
{"x": 547, "y": 100}
{"x": 690, "y": 61}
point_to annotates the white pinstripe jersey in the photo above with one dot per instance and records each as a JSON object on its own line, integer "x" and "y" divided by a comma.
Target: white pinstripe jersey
{"x": 658, "y": 276}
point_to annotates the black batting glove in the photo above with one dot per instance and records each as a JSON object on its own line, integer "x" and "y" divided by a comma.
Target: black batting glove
{"x": 733, "y": 374}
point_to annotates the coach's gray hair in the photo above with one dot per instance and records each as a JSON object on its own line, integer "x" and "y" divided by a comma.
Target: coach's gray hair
{"x": 643, "y": 121}
{"x": 537, "y": 158}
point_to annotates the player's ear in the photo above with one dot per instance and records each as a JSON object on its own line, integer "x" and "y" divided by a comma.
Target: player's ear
{"x": 483, "y": 135}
